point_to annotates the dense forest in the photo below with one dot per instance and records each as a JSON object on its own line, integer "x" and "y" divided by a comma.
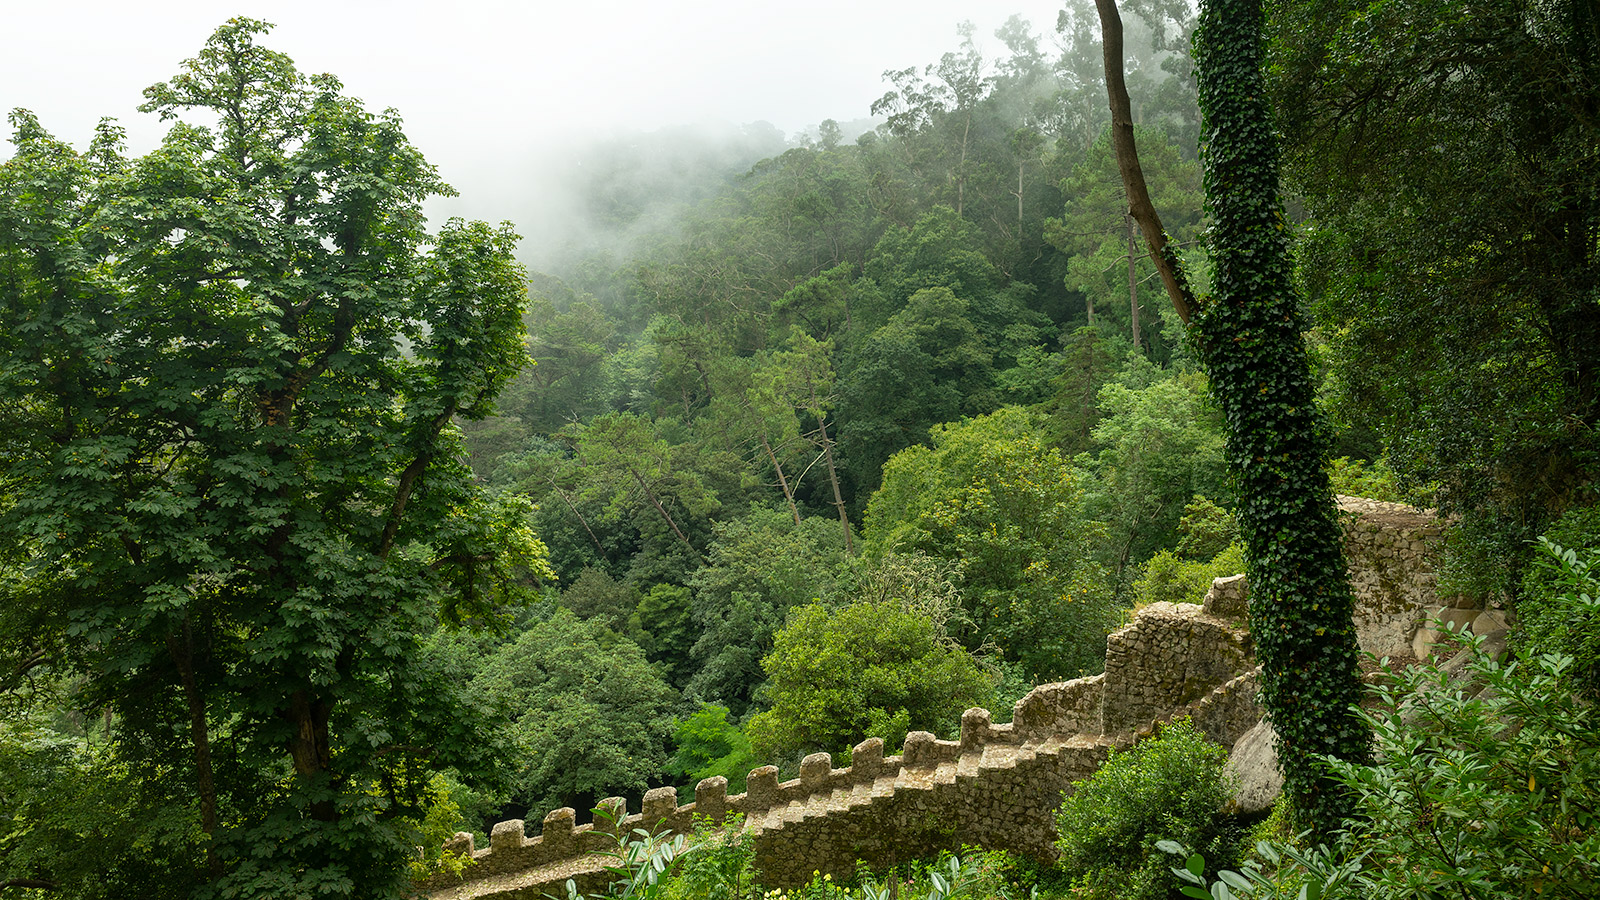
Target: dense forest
{"x": 791, "y": 441}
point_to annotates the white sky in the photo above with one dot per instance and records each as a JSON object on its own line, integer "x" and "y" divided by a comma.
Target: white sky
{"x": 484, "y": 85}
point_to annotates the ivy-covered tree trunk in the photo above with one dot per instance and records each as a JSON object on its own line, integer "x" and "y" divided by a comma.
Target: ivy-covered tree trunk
{"x": 1250, "y": 338}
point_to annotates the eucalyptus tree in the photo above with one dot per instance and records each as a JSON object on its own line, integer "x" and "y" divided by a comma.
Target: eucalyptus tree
{"x": 234, "y": 495}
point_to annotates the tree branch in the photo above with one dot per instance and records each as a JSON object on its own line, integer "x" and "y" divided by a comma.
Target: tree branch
{"x": 35, "y": 883}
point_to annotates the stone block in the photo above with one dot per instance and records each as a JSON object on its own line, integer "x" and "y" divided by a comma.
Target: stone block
{"x": 1229, "y": 597}
{"x": 659, "y": 804}
{"x": 866, "y": 760}
{"x": 1254, "y": 763}
{"x": 556, "y": 836}
{"x": 814, "y": 771}
{"x": 974, "y": 728}
{"x": 761, "y": 788}
{"x": 508, "y": 835}
{"x": 711, "y": 798}
{"x": 1428, "y": 634}
{"x": 920, "y": 750}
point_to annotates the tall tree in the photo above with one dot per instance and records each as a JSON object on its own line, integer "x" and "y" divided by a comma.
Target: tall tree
{"x": 230, "y": 371}
{"x": 1249, "y": 336}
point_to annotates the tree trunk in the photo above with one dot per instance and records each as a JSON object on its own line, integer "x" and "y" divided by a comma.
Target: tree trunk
{"x": 662, "y": 510}
{"x": 782, "y": 481}
{"x": 833, "y": 478}
{"x": 310, "y": 748}
{"x": 581, "y": 520}
{"x": 833, "y": 473}
{"x": 1133, "y": 283}
{"x": 1139, "y": 205}
{"x": 1250, "y": 342}
{"x": 182, "y": 653}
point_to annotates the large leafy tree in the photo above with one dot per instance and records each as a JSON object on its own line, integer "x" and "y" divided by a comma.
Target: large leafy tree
{"x": 590, "y": 714}
{"x": 1008, "y": 511}
{"x": 233, "y": 495}
{"x": 876, "y": 667}
{"x": 1449, "y": 153}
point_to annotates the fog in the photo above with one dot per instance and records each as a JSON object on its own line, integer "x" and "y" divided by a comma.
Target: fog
{"x": 503, "y": 95}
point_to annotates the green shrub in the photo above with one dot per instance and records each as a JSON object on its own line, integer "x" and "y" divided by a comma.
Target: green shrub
{"x": 869, "y": 669}
{"x": 708, "y": 745}
{"x": 1372, "y": 480}
{"x": 1560, "y": 609}
{"x": 1170, "y": 786}
{"x": 1171, "y": 578}
{"x": 1484, "y": 791}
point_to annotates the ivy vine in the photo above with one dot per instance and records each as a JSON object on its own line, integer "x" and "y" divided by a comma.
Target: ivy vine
{"x": 1250, "y": 338}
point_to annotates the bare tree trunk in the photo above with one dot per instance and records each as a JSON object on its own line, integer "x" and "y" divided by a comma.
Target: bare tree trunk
{"x": 662, "y": 510}
{"x": 1133, "y": 283}
{"x": 782, "y": 481}
{"x": 581, "y": 520}
{"x": 833, "y": 477}
{"x": 833, "y": 473}
{"x": 1139, "y": 205}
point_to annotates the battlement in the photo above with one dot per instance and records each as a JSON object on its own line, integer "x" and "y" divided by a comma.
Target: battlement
{"x": 510, "y": 849}
{"x": 997, "y": 784}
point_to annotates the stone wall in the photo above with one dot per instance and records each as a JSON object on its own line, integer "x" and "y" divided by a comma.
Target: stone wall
{"x": 998, "y": 785}
{"x": 1172, "y": 655}
{"x": 1392, "y": 551}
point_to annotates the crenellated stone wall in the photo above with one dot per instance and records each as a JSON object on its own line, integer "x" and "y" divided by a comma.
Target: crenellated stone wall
{"x": 998, "y": 785}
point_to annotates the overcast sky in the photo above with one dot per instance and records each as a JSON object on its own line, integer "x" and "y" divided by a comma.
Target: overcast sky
{"x": 486, "y": 85}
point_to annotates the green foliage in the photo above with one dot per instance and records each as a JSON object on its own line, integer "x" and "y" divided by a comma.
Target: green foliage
{"x": 590, "y": 715}
{"x": 1249, "y": 336}
{"x": 1162, "y": 445}
{"x": 596, "y": 595}
{"x": 666, "y": 631}
{"x": 235, "y": 496}
{"x": 759, "y": 567}
{"x": 708, "y": 746}
{"x": 1489, "y": 792}
{"x": 928, "y": 364}
{"x": 718, "y": 864}
{"x": 1168, "y": 577}
{"x": 1374, "y": 481}
{"x": 991, "y": 498}
{"x": 1453, "y": 191}
{"x": 873, "y": 668}
{"x": 81, "y": 820}
{"x": 440, "y": 822}
{"x": 1485, "y": 784}
{"x": 1170, "y": 786}
{"x": 1208, "y": 549}
{"x": 1561, "y": 610}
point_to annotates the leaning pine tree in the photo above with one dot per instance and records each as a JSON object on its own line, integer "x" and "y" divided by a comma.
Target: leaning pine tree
{"x": 1249, "y": 336}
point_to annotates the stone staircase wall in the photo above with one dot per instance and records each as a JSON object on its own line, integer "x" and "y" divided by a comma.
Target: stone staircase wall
{"x": 998, "y": 785}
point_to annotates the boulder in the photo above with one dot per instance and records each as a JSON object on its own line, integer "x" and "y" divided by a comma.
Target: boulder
{"x": 1254, "y": 763}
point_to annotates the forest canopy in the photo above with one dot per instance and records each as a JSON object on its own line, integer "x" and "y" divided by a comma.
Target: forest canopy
{"x": 324, "y": 533}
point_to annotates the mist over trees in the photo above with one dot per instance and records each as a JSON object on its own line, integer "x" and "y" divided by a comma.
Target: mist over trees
{"x": 819, "y": 436}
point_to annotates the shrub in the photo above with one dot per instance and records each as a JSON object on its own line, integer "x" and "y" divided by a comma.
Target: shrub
{"x": 872, "y": 668}
{"x": 1171, "y": 578}
{"x": 1560, "y": 609}
{"x": 1485, "y": 790}
{"x": 708, "y": 745}
{"x": 1170, "y": 786}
